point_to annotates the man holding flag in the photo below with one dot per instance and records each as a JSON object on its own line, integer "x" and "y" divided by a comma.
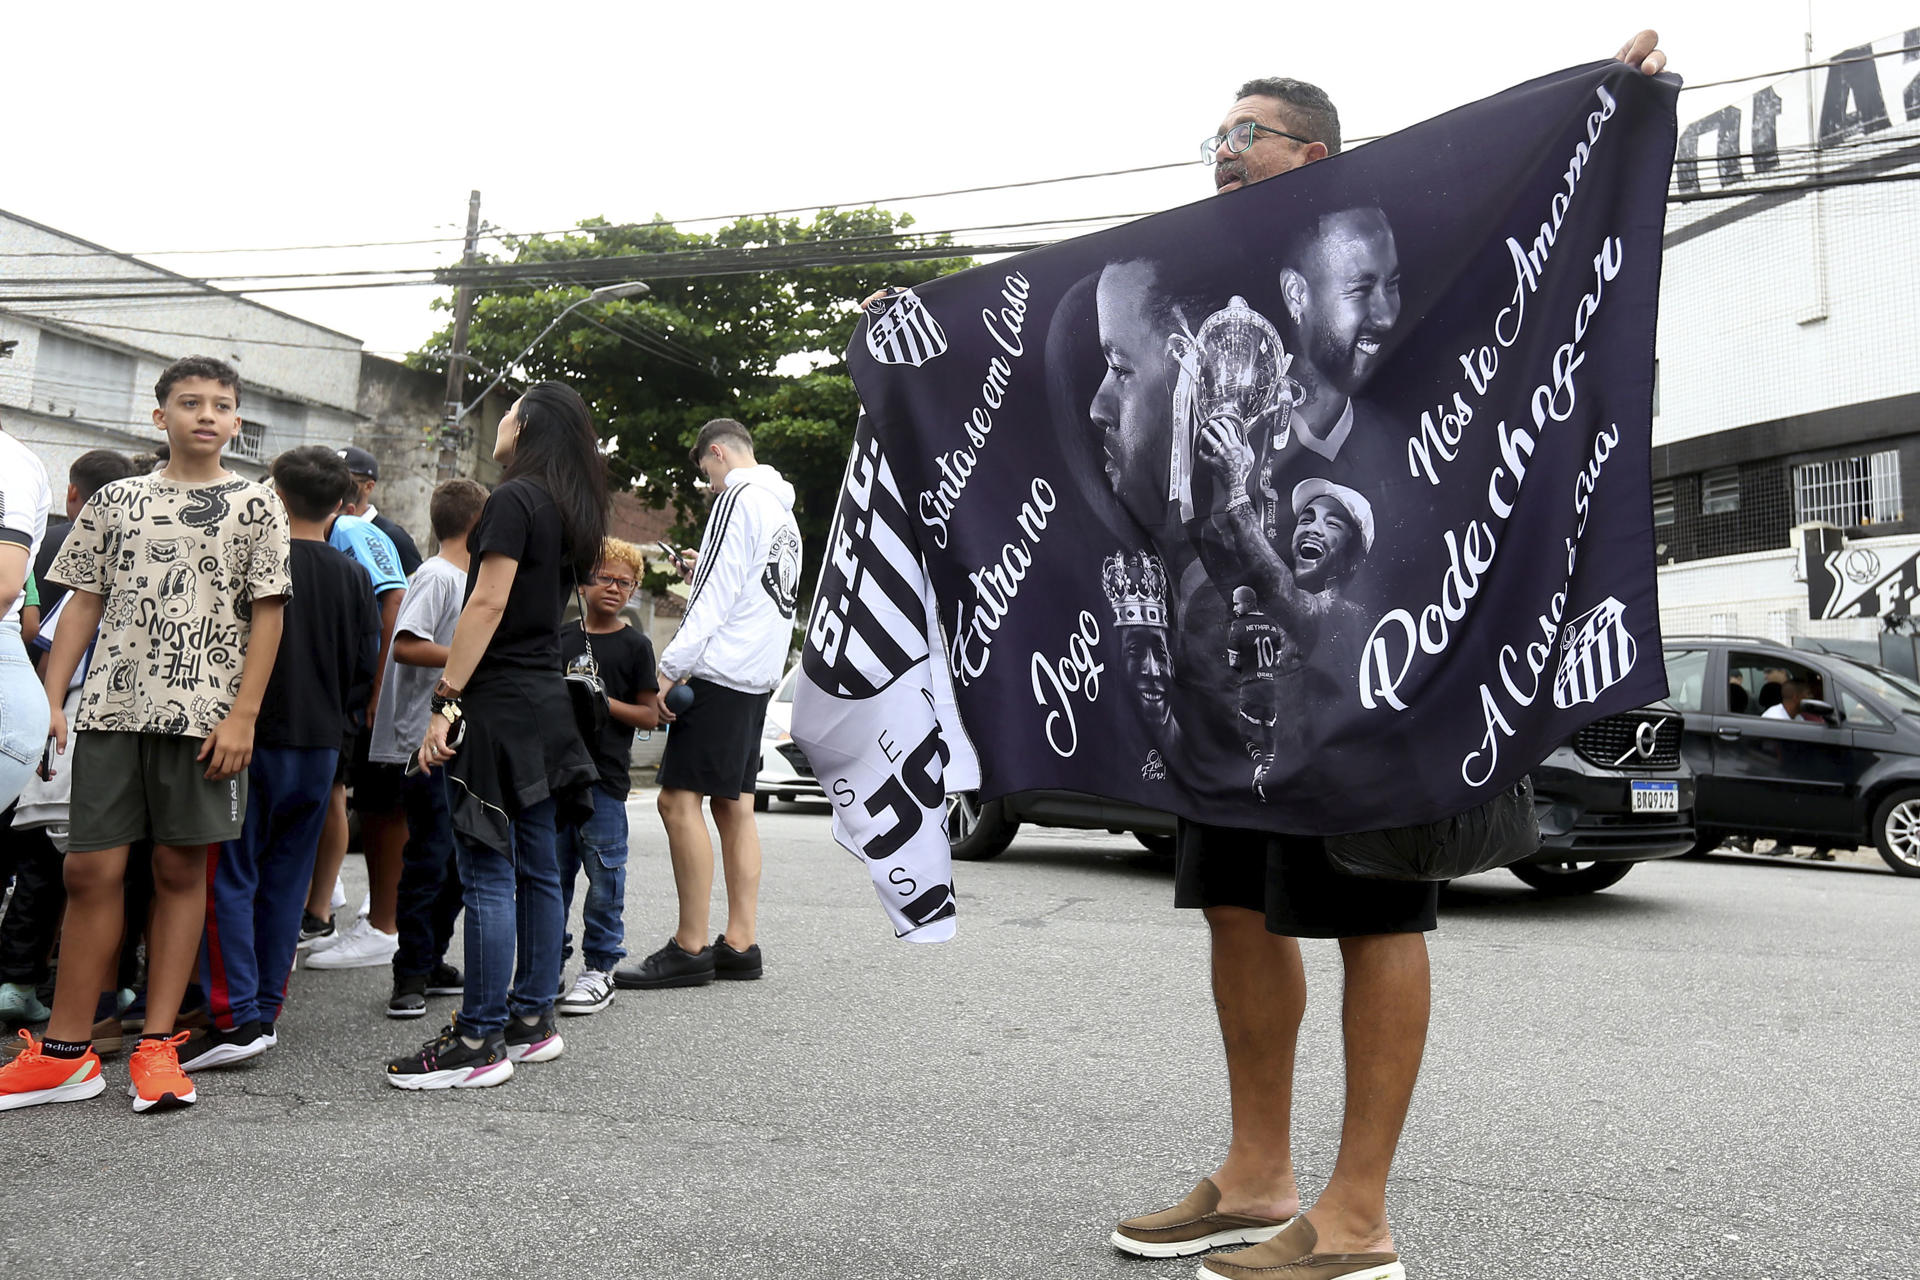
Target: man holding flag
{"x": 1259, "y": 981}
{"x": 877, "y": 614}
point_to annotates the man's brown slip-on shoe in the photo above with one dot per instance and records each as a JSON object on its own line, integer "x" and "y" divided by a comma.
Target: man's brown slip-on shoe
{"x": 1192, "y": 1226}
{"x": 1290, "y": 1256}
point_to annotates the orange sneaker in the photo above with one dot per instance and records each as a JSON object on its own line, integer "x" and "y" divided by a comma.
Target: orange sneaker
{"x": 158, "y": 1080}
{"x": 32, "y": 1078}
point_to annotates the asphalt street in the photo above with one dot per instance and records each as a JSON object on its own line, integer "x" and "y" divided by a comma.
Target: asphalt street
{"x": 1707, "y": 1070}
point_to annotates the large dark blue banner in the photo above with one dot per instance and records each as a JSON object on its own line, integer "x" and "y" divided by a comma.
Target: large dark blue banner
{"x": 1318, "y": 506}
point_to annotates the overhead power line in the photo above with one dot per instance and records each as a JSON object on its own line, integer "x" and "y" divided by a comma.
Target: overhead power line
{"x": 497, "y": 233}
{"x": 491, "y": 234}
{"x": 1802, "y": 69}
{"x": 458, "y": 273}
{"x": 87, "y": 323}
{"x": 685, "y": 264}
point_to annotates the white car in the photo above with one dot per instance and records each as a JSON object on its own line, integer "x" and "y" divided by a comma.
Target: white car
{"x": 784, "y": 771}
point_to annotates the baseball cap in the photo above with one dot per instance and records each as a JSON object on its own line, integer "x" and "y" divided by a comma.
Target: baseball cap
{"x": 1357, "y": 506}
{"x": 360, "y": 462}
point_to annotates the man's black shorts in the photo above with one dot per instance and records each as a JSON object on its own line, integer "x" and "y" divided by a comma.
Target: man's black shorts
{"x": 376, "y": 784}
{"x": 353, "y": 745}
{"x": 1289, "y": 880}
{"x": 713, "y": 747}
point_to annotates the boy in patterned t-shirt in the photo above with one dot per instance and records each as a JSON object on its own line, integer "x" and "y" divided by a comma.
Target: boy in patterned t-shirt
{"x": 184, "y": 572}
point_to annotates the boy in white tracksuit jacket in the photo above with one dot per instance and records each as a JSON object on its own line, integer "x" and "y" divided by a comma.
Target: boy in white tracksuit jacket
{"x": 739, "y": 623}
{"x": 730, "y": 650}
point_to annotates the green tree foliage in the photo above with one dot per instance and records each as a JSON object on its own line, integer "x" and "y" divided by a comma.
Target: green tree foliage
{"x": 764, "y": 346}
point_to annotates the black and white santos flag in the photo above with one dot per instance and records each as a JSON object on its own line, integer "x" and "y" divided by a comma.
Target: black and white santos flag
{"x": 883, "y": 735}
{"x": 1318, "y": 506}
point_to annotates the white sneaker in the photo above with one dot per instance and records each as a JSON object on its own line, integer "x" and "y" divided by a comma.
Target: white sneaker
{"x": 592, "y": 992}
{"x": 361, "y": 947}
{"x": 339, "y": 898}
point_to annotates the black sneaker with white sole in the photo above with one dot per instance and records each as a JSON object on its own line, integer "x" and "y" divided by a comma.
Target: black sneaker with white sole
{"x": 534, "y": 1041}
{"x": 409, "y": 998}
{"x": 446, "y": 980}
{"x": 449, "y": 1062}
{"x": 213, "y": 1047}
{"x": 312, "y": 929}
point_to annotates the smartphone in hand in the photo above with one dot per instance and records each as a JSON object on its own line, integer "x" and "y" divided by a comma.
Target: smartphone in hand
{"x": 679, "y": 560}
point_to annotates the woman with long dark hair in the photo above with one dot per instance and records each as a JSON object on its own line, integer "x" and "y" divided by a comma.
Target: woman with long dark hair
{"x": 504, "y": 728}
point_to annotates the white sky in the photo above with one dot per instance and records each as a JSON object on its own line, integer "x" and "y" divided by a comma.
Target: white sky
{"x": 161, "y": 127}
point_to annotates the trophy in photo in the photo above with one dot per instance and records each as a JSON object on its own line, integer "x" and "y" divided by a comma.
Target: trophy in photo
{"x": 1234, "y": 368}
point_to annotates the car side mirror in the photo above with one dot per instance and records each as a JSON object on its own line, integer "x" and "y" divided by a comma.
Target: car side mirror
{"x": 1824, "y": 710}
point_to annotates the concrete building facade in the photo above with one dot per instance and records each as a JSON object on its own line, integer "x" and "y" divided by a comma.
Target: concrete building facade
{"x": 1788, "y": 382}
{"x": 91, "y": 329}
{"x": 400, "y": 413}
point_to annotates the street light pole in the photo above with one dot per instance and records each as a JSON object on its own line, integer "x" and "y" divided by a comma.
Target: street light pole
{"x": 605, "y": 293}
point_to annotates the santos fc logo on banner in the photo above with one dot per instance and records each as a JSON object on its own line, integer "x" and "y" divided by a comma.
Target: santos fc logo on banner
{"x": 900, "y": 330}
{"x": 1597, "y": 652}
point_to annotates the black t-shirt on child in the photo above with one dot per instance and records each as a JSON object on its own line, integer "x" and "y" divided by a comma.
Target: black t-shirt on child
{"x": 625, "y": 659}
{"x": 329, "y": 643}
{"x": 521, "y": 522}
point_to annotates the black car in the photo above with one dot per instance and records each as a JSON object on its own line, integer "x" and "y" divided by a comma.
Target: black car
{"x": 1841, "y": 772}
{"x": 1618, "y": 793}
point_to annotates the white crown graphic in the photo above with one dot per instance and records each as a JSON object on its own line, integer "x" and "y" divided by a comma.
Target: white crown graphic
{"x": 1136, "y": 587}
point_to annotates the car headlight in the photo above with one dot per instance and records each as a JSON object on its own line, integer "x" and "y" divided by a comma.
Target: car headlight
{"x": 773, "y": 733}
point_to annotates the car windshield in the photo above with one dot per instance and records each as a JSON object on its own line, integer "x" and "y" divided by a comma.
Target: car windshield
{"x": 1896, "y": 691}
{"x": 785, "y": 693}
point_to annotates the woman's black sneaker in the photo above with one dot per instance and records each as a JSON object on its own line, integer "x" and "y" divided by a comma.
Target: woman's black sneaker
{"x": 409, "y": 998}
{"x": 737, "y": 966}
{"x": 670, "y": 966}
{"x": 534, "y": 1041}
{"x": 446, "y": 980}
{"x": 447, "y": 1062}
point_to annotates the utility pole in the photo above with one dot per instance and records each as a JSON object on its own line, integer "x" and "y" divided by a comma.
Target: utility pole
{"x": 450, "y": 431}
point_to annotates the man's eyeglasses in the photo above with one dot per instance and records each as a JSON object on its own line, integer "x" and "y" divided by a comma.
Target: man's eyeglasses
{"x": 608, "y": 580}
{"x": 1240, "y": 137}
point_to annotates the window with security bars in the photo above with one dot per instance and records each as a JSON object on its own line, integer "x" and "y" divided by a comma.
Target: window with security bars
{"x": 251, "y": 443}
{"x": 1720, "y": 492}
{"x": 1849, "y": 492}
{"x": 1662, "y": 502}
{"x": 263, "y": 416}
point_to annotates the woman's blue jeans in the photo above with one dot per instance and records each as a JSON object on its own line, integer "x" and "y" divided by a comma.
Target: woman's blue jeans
{"x": 514, "y": 923}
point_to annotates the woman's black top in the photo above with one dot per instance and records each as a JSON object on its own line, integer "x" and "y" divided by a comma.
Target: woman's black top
{"x": 521, "y": 522}
{"x": 522, "y": 745}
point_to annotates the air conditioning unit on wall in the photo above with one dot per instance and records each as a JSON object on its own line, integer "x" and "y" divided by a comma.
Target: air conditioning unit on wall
{"x": 1816, "y": 536}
